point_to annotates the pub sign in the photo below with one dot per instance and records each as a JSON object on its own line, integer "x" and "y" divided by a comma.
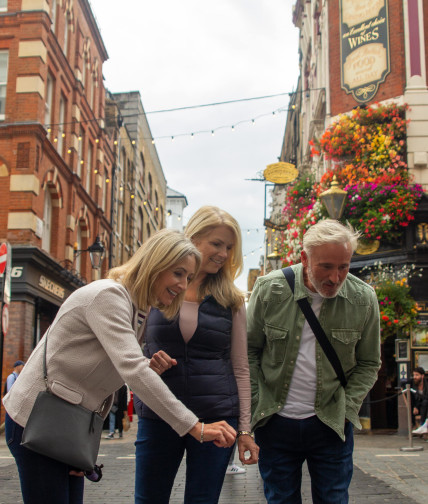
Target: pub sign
{"x": 365, "y": 58}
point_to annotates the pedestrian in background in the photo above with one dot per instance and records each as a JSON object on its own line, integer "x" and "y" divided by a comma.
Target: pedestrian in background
{"x": 209, "y": 343}
{"x": 11, "y": 379}
{"x": 419, "y": 397}
{"x": 94, "y": 346}
{"x": 117, "y": 411}
{"x": 301, "y": 411}
{"x": 122, "y": 408}
{"x": 233, "y": 468}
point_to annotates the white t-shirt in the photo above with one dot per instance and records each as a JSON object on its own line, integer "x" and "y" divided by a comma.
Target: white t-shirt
{"x": 301, "y": 396}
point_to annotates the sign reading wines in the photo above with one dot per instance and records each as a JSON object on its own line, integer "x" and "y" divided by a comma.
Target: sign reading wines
{"x": 365, "y": 55}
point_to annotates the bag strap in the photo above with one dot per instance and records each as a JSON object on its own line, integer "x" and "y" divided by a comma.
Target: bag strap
{"x": 317, "y": 329}
{"x": 45, "y": 369}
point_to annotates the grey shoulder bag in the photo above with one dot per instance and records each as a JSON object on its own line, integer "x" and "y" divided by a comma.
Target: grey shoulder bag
{"x": 65, "y": 432}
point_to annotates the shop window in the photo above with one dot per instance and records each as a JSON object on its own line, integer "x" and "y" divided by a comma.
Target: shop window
{"x": 47, "y": 221}
{"x": 4, "y": 58}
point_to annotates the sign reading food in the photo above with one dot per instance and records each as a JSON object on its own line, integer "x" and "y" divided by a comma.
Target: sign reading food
{"x": 364, "y": 34}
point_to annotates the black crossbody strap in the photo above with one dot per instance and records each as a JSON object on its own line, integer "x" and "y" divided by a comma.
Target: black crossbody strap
{"x": 317, "y": 329}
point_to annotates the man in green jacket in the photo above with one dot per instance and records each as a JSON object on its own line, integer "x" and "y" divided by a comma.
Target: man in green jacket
{"x": 300, "y": 409}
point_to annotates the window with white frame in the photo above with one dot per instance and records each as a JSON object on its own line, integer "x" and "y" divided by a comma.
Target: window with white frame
{"x": 47, "y": 221}
{"x": 3, "y": 5}
{"x": 84, "y": 68}
{"x": 78, "y": 246}
{"x": 140, "y": 225}
{"x": 80, "y": 161}
{"x": 120, "y": 219}
{"x": 48, "y": 101}
{"x": 53, "y": 15}
{"x": 66, "y": 30}
{"x": 4, "y": 58}
{"x": 89, "y": 169}
{"x": 61, "y": 120}
{"x": 104, "y": 196}
{"x": 92, "y": 91}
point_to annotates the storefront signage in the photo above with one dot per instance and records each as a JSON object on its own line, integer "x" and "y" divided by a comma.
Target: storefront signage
{"x": 52, "y": 287}
{"x": 280, "y": 173}
{"x": 365, "y": 57}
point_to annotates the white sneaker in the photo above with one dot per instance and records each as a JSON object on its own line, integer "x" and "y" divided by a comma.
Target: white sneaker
{"x": 423, "y": 429}
{"x": 234, "y": 469}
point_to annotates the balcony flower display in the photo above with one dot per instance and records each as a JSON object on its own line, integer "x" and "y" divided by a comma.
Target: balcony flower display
{"x": 398, "y": 309}
{"x": 302, "y": 210}
{"x": 367, "y": 152}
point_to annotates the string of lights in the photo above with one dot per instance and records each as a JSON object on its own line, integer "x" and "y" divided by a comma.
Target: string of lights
{"x": 176, "y": 109}
{"x": 190, "y": 134}
{"x": 274, "y": 238}
{"x": 252, "y": 252}
{"x": 187, "y": 107}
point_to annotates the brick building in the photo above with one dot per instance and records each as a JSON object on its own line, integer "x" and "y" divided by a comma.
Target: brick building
{"x": 56, "y": 158}
{"x": 139, "y": 173}
{"x": 355, "y": 53}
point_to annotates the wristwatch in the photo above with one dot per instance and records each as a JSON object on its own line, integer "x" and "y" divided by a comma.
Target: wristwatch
{"x": 245, "y": 432}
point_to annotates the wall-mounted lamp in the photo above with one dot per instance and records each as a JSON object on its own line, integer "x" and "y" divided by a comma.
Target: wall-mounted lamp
{"x": 96, "y": 253}
{"x": 274, "y": 258}
{"x": 334, "y": 200}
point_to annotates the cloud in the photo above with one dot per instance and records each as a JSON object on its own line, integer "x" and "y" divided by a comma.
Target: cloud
{"x": 194, "y": 52}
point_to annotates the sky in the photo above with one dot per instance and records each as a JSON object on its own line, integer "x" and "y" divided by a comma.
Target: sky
{"x": 193, "y": 52}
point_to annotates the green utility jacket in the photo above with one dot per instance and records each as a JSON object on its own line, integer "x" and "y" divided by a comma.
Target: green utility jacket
{"x": 275, "y": 323}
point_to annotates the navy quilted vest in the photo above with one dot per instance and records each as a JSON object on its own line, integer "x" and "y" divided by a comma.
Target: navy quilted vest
{"x": 203, "y": 378}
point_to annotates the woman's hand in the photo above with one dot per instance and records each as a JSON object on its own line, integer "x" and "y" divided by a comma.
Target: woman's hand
{"x": 73, "y": 472}
{"x": 161, "y": 362}
{"x": 220, "y": 433}
{"x": 247, "y": 444}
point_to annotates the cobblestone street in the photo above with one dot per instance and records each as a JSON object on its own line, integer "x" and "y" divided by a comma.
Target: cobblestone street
{"x": 382, "y": 474}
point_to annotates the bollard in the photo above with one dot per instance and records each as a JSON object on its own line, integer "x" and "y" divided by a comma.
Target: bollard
{"x": 409, "y": 448}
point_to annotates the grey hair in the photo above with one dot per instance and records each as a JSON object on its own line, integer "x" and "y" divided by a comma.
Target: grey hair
{"x": 330, "y": 231}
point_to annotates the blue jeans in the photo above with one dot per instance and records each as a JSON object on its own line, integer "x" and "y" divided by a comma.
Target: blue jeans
{"x": 42, "y": 478}
{"x": 159, "y": 451}
{"x": 112, "y": 422}
{"x": 286, "y": 443}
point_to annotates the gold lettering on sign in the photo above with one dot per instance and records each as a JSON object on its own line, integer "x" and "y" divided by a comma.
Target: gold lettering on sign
{"x": 364, "y": 34}
{"x": 365, "y": 64}
{"x": 354, "y": 12}
{"x": 51, "y": 287}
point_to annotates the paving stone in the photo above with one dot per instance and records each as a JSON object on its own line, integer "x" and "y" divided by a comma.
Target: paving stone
{"x": 382, "y": 475}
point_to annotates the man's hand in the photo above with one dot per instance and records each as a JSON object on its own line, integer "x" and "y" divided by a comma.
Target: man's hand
{"x": 247, "y": 444}
{"x": 161, "y": 362}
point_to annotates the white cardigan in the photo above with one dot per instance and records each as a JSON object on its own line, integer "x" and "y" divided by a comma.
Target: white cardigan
{"x": 94, "y": 347}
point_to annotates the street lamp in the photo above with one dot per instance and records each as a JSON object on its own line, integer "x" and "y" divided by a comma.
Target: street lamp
{"x": 274, "y": 258}
{"x": 334, "y": 200}
{"x": 96, "y": 253}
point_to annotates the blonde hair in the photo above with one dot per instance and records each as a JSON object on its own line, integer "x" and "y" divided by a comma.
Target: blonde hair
{"x": 220, "y": 285}
{"x": 330, "y": 231}
{"x": 160, "y": 252}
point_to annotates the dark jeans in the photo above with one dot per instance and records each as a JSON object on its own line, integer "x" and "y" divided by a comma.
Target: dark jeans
{"x": 43, "y": 480}
{"x": 422, "y": 406}
{"x": 285, "y": 444}
{"x": 159, "y": 451}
